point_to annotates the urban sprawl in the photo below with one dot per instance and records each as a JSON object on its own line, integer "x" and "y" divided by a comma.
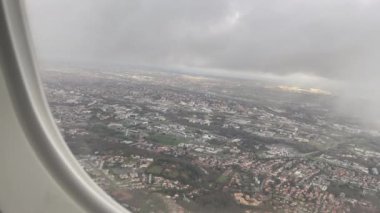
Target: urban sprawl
{"x": 175, "y": 142}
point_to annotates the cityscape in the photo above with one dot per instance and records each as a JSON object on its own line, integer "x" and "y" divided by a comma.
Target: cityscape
{"x": 161, "y": 141}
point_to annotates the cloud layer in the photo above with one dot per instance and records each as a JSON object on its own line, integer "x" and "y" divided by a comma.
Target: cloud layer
{"x": 331, "y": 38}
{"x": 337, "y": 40}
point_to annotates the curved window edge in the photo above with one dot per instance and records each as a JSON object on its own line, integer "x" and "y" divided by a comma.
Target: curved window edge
{"x": 35, "y": 117}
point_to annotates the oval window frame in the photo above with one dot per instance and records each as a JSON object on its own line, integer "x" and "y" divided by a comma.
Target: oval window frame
{"x": 35, "y": 118}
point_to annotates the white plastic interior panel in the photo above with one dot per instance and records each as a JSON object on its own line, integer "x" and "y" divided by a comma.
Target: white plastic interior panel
{"x": 38, "y": 173}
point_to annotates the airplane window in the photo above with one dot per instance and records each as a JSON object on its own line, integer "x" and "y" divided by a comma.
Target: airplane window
{"x": 217, "y": 105}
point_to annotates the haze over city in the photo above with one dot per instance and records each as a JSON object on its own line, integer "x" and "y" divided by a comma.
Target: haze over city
{"x": 331, "y": 44}
{"x": 219, "y": 105}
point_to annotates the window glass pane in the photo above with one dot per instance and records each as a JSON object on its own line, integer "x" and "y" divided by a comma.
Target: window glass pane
{"x": 218, "y": 105}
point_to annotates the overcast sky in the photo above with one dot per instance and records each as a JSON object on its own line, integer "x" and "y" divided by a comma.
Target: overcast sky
{"x": 337, "y": 40}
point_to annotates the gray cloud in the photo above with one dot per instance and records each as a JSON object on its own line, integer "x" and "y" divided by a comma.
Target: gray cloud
{"x": 324, "y": 37}
{"x": 329, "y": 39}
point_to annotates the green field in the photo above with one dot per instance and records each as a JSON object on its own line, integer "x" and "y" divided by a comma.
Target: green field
{"x": 164, "y": 139}
{"x": 222, "y": 179}
{"x": 154, "y": 169}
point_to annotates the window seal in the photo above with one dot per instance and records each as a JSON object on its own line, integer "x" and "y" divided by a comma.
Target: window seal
{"x": 35, "y": 118}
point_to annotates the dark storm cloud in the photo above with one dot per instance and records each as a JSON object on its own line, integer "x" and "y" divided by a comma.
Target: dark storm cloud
{"x": 331, "y": 38}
